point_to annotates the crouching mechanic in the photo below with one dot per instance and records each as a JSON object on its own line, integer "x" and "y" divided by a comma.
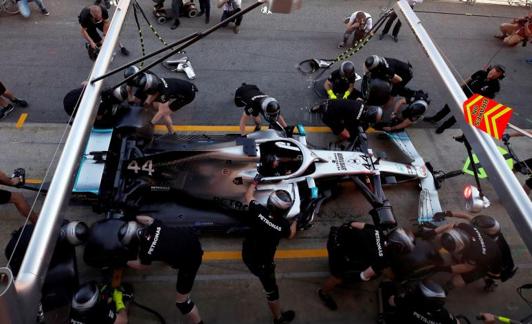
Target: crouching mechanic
{"x": 268, "y": 226}
{"x": 359, "y": 252}
{"x": 421, "y": 303}
{"x": 166, "y": 95}
{"x": 256, "y": 103}
{"x": 476, "y": 255}
{"x": 397, "y": 72}
{"x": 341, "y": 82}
{"x": 345, "y": 116}
{"x": 177, "y": 247}
{"x": 406, "y": 112}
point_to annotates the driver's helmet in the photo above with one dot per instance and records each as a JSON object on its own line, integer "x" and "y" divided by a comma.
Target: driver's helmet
{"x": 400, "y": 241}
{"x": 271, "y": 109}
{"x": 129, "y": 72}
{"x": 454, "y": 240}
{"x": 487, "y": 224}
{"x": 347, "y": 69}
{"x": 86, "y": 298}
{"x": 415, "y": 110}
{"x": 129, "y": 232}
{"x": 279, "y": 202}
{"x": 74, "y": 232}
{"x": 374, "y": 61}
{"x": 376, "y": 91}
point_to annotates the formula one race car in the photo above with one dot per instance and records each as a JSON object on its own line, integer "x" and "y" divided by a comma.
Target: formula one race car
{"x": 200, "y": 180}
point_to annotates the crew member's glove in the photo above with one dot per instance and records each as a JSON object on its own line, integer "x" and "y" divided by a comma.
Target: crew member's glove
{"x": 331, "y": 94}
{"x": 346, "y": 94}
{"x": 118, "y": 299}
{"x": 440, "y": 216}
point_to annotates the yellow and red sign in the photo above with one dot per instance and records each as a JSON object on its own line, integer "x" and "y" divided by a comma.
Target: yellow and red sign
{"x": 487, "y": 115}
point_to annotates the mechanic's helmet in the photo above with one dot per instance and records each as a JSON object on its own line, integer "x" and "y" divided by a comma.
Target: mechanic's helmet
{"x": 400, "y": 241}
{"x": 129, "y": 72}
{"x": 75, "y": 232}
{"x": 454, "y": 240}
{"x": 148, "y": 82}
{"x": 373, "y": 114}
{"x": 347, "y": 68}
{"x": 431, "y": 295}
{"x": 270, "y": 108}
{"x": 120, "y": 93}
{"x": 86, "y": 297}
{"x": 378, "y": 92}
{"x": 487, "y": 224}
{"x": 373, "y": 61}
{"x": 415, "y": 110}
{"x": 129, "y": 232}
{"x": 279, "y": 202}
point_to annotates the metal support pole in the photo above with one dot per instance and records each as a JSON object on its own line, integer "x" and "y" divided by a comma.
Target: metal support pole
{"x": 509, "y": 190}
{"x": 40, "y": 249}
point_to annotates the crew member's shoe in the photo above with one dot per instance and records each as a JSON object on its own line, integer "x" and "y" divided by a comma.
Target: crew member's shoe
{"x": 201, "y": 13}
{"x": 286, "y": 317}
{"x": 236, "y": 29}
{"x": 341, "y": 45}
{"x": 20, "y": 102}
{"x": 327, "y": 300}
{"x": 6, "y": 111}
{"x": 499, "y": 36}
{"x": 45, "y": 12}
{"x": 175, "y": 24}
{"x": 124, "y": 51}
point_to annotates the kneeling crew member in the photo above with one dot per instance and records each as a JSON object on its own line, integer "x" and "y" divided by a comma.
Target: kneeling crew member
{"x": 166, "y": 95}
{"x": 359, "y": 252}
{"x": 341, "y": 82}
{"x": 268, "y": 226}
{"x": 256, "y": 103}
{"x": 397, "y": 72}
{"x": 95, "y": 303}
{"x": 421, "y": 304}
{"x": 15, "y": 198}
{"x": 345, "y": 116}
{"x": 477, "y": 254}
{"x": 406, "y": 113}
{"x": 177, "y": 247}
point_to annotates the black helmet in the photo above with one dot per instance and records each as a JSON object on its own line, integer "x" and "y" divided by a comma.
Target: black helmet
{"x": 86, "y": 298}
{"x": 399, "y": 241}
{"x": 374, "y": 61}
{"x": 487, "y": 224}
{"x": 373, "y": 114}
{"x": 74, "y": 232}
{"x": 454, "y": 240}
{"x": 415, "y": 110}
{"x": 279, "y": 202}
{"x": 128, "y": 232}
{"x": 430, "y": 295}
{"x": 347, "y": 68}
{"x": 148, "y": 82}
{"x": 120, "y": 93}
{"x": 270, "y": 108}
{"x": 129, "y": 72}
{"x": 378, "y": 92}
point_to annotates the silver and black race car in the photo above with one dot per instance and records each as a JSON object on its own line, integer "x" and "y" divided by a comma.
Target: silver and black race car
{"x": 200, "y": 180}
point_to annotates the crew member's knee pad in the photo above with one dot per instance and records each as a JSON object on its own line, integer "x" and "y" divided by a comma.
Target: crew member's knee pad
{"x": 186, "y": 306}
{"x": 273, "y": 295}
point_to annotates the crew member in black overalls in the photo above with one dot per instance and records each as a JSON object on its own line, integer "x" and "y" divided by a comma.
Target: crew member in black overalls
{"x": 341, "y": 82}
{"x": 256, "y": 103}
{"x": 344, "y": 116}
{"x": 177, "y": 247}
{"x": 406, "y": 113}
{"x": 421, "y": 303}
{"x": 359, "y": 252}
{"x": 482, "y": 82}
{"x": 397, "y": 72}
{"x": 268, "y": 226}
{"x": 166, "y": 95}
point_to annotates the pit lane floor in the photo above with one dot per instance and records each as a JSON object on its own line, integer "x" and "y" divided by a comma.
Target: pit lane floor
{"x": 227, "y": 293}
